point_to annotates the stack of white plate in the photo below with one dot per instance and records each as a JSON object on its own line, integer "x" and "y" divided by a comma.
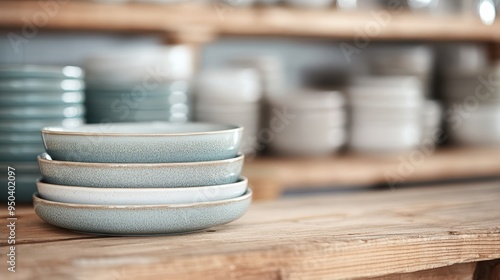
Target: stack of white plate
{"x": 140, "y": 84}
{"x": 269, "y": 68}
{"x": 404, "y": 60}
{"x": 385, "y": 114}
{"x": 231, "y": 95}
{"x": 141, "y": 178}
{"x": 31, "y": 97}
{"x": 309, "y": 123}
{"x": 473, "y": 102}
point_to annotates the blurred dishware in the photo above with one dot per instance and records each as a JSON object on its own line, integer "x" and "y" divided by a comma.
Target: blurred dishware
{"x": 31, "y": 97}
{"x": 231, "y": 95}
{"x": 385, "y": 114}
{"x": 139, "y": 84}
{"x": 316, "y": 126}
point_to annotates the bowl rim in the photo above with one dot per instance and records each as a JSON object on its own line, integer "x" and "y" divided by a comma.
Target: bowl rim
{"x": 45, "y": 158}
{"x": 230, "y": 128}
{"x": 246, "y": 195}
{"x": 242, "y": 180}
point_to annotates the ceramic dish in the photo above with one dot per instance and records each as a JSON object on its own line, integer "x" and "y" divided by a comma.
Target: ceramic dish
{"x": 42, "y": 112}
{"x": 309, "y": 100}
{"x": 20, "y": 152}
{"x": 33, "y": 125}
{"x": 140, "y": 196}
{"x": 384, "y": 138}
{"x": 41, "y": 98}
{"x": 123, "y": 113}
{"x": 40, "y": 71}
{"x": 20, "y": 137}
{"x": 143, "y": 142}
{"x": 141, "y": 219}
{"x": 41, "y": 85}
{"x": 148, "y": 102}
{"x": 137, "y": 175}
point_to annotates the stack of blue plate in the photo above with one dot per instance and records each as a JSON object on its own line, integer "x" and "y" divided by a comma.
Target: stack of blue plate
{"x": 118, "y": 103}
{"x": 138, "y": 84}
{"x": 31, "y": 97}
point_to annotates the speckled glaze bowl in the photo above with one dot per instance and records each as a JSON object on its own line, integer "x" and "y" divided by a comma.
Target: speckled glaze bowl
{"x": 140, "y": 175}
{"x": 140, "y": 196}
{"x": 153, "y": 142}
{"x": 141, "y": 219}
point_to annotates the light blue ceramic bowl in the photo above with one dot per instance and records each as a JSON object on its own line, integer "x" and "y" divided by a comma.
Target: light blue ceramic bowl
{"x": 40, "y": 71}
{"x": 140, "y": 175}
{"x": 127, "y": 101}
{"x": 20, "y": 138}
{"x": 155, "y": 142}
{"x": 141, "y": 219}
{"x": 40, "y": 85}
{"x": 133, "y": 115}
{"x": 20, "y": 152}
{"x": 42, "y": 112}
{"x": 41, "y": 98}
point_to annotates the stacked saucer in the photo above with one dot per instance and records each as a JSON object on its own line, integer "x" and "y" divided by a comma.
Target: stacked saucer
{"x": 386, "y": 113}
{"x": 473, "y": 101}
{"x": 141, "y": 178}
{"x": 231, "y": 95}
{"x": 134, "y": 85}
{"x": 308, "y": 123}
{"x": 31, "y": 97}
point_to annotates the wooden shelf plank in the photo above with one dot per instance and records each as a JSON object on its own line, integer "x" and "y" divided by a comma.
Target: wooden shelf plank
{"x": 272, "y": 21}
{"x": 270, "y": 175}
{"x": 320, "y": 237}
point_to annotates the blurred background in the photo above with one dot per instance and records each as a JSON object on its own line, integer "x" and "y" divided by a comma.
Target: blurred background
{"x": 334, "y": 95}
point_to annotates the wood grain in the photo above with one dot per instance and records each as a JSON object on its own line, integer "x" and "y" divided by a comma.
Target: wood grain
{"x": 462, "y": 271}
{"x": 320, "y": 237}
{"x": 227, "y": 20}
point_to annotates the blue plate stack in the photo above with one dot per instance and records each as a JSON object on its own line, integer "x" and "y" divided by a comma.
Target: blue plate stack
{"x": 31, "y": 97}
{"x": 139, "y": 84}
{"x": 142, "y": 178}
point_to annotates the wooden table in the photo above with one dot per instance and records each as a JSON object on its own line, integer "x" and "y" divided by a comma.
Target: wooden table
{"x": 446, "y": 232}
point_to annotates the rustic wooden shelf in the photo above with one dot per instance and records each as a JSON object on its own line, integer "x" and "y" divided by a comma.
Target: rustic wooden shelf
{"x": 437, "y": 232}
{"x": 193, "y": 22}
{"x": 270, "y": 176}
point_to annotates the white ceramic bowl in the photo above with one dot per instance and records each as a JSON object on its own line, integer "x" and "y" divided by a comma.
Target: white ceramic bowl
{"x": 140, "y": 196}
{"x": 384, "y": 138}
{"x": 228, "y": 86}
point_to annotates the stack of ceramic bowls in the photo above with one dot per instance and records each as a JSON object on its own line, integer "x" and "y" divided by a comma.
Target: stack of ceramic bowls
{"x": 473, "y": 102}
{"x": 404, "y": 60}
{"x": 231, "y": 95}
{"x": 141, "y": 178}
{"x": 31, "y": 97}
{"x": 269, "y": 68}
{"x": 385, "y": 114}
{"x": 143, "y": 84}
{"x": 307, "y": 123}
